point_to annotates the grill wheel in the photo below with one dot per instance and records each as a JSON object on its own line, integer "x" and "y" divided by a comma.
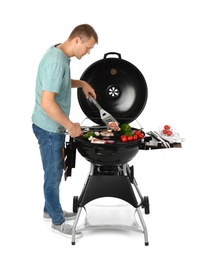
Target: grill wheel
{"x": 75, "y": 204}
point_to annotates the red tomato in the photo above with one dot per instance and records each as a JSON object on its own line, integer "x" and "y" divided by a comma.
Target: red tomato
{"x": 137, "y": 132}
{"x": 164, "y": 131}
{"x": 135, "y": 137}
{"x": 123, "y": 138}
{"x": 129, "y": 138}
{"x": 141, "y": 135}
{"x": 166, "y": 127}
{"x": 169, "y": 132}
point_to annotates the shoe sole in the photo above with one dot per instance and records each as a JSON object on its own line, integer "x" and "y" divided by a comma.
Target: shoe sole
{"x": 77, "y": 235}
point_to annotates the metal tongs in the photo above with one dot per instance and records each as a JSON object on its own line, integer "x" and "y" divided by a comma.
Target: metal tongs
{"x": 157, "y": 136}
{"x": 106, "y": 117}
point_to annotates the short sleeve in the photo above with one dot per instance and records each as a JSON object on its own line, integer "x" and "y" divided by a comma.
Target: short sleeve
{"x": 52, "y": 77}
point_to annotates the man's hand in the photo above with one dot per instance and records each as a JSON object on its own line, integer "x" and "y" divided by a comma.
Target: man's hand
{"x": 75, "y": 130}
{"x": 88, "y": 90}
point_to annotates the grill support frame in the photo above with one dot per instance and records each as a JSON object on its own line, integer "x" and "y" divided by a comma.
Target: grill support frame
{"x": 121, "y": 184}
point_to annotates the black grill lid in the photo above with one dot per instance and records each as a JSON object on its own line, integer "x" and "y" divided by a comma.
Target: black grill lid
{"x": 120, "y": 87}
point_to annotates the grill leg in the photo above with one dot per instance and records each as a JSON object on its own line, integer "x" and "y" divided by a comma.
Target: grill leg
{"x": 144, "y": 226}
{"x": 75, "y": 225}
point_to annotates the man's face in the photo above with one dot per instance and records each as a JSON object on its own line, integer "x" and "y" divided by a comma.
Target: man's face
{"x": 84, "y": 47}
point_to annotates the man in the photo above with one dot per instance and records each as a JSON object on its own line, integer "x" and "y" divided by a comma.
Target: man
{"x": 51, "y": 116}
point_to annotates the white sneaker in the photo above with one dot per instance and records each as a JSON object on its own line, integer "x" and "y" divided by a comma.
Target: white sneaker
{"x": 65, "y": 229}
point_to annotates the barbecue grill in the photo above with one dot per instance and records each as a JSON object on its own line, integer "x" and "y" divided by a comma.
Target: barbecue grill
{"x": 122, "y": 91}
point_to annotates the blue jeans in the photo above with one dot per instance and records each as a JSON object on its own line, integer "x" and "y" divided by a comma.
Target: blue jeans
{"x": 51, "y": 145}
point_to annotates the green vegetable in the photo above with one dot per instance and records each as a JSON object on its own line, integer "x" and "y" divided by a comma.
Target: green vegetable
{"x": 125, "y": 128}
{"x": 129, "y": 133}
{"x": 88, "y": 134}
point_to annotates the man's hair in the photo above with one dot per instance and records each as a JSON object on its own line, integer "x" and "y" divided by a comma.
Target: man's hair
{"x": 85, "y": 32}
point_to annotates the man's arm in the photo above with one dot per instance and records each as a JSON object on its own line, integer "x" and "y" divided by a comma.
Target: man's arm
{"x": 52, "y": 109}
{"x": 87, "y": 89}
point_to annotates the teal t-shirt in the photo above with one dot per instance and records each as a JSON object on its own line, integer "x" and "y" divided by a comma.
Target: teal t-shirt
{"x": 53, "y": 75}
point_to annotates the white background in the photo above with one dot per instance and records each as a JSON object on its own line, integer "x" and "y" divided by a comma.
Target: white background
{"x": 171, "y": 43}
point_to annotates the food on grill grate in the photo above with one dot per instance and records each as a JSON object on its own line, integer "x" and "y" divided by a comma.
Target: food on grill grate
{"x": 95, "y": 140}
{"x": 107, "y": 133}
{"x": 114, "y": 126}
